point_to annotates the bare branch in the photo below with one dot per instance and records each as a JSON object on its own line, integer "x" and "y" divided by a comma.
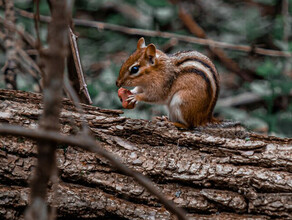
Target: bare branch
{"x": 36, "y": 71}
{"x": 81, "y": 88}
{"x": 36, "y": 18}
{"x": 151, "y": 33}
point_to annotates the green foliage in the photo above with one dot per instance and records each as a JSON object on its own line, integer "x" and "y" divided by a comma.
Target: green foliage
{"x": 89, "y": 5}
{"x": 267, "y": 2}
{"x": 23, "y": 4}
{"x": 278, "y": 28}
{"x": 269, "y": 69}
{"x": 255, "y": 25}
{"x": 160, "y": 3}
{"x": 274, "y": 86}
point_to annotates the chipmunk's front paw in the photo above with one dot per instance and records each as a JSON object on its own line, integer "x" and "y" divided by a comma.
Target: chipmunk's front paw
{"x": 132, "y": 99}
{"x": 124, "y": 95}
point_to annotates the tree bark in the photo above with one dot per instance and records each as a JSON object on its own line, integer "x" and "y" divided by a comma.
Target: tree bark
{"x": 211, "y": 174}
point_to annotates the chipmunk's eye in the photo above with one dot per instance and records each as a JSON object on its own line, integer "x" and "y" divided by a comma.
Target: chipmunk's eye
{"x": 134, "y": 69}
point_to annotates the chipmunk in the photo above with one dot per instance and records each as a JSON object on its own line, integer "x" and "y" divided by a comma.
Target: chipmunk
{"x": 186, "y": 82}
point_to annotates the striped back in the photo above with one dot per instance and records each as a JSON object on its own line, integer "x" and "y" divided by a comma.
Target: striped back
{"x": 197, "y": 63}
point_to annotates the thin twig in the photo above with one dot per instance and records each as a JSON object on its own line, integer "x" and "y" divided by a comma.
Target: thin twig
{"x": 89, "y": 144}
{"x": 36, "y": 18}
{"x": 74, "y": 69}
{"x": 26, "y": 58}
{"x": 75, "y": 99}
{"x": 27, "y": 64}
{"x": 151, "y": 33}
{"x": 78, "y": 67}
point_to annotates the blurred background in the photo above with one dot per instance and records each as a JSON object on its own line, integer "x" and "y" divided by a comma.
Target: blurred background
{"x": 256, "y": 89}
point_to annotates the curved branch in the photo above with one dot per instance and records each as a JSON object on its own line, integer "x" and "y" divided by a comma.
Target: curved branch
{"x": 151, "y": 33}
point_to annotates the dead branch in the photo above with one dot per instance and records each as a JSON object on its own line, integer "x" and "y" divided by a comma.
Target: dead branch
{"x": 79, "y": 84}
{"x": 28, "y": 64}
{"x": 151, "y": 33}
{"x": 75, "y": 71}
{"x": 36, "y": 17}
{"x": 237, "y": 177}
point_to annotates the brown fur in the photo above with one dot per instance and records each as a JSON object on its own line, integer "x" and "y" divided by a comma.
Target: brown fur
{"x": 195, "y": 99}
{"x": 160, "y": 77}
{"x": 185, "y": 55}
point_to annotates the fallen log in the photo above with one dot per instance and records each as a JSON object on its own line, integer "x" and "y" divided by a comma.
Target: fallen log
{"x": 211, "y": 173}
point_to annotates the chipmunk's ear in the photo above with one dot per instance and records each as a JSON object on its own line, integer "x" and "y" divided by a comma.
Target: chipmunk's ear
{"x": 141, "y": 43}
{"x": 150, "y": 53}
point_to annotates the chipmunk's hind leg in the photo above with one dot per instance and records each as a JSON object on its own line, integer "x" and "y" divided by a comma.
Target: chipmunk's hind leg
{"x": 194, "y": 111}
{"x": 180, "y": 125}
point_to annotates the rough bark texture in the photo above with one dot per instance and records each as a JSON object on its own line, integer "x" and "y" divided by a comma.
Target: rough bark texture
{"x": 212, "y": 177}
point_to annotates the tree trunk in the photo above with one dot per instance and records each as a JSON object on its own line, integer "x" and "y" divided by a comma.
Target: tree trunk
{"x": 211, "y": 173}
